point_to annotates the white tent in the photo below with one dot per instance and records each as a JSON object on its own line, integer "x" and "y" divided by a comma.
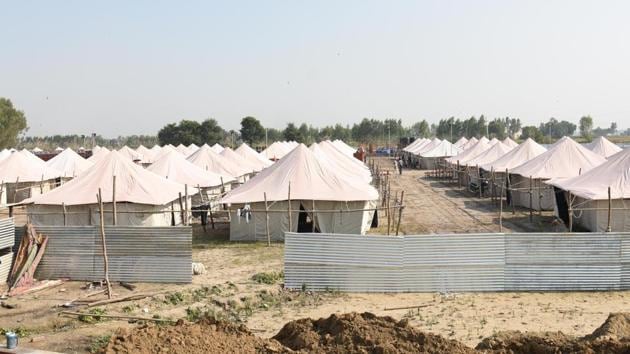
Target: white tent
{"x": 345, "y": 148}
{"x": 147, "y": 154}
{"x": 253, "y": 157}
{"x": 174, "y": 167}
{"x": 461, "y": 142}
{"x": 311, "y": 183}
{"x": 155, "y": 149}
{"x": 182, "y": 149}
{"x": 339, "y": 164}
{"x": 564, "y": 159}
{"x": 142, "y": 197}
{"x": 509, "y": 142}
{"x": 209, "y": 160}
{"x": 418, "y": 142}
{"x": 331, "y": 150}
{"x": 591, "y": 192}
{"x": 69, "y": 163}
{"x": 495, "y": 152}
{"x": 480, "y": 146}
{"x": 275, "y": 151}
{"x": 129, "y": 153}
{"x": 471, "y": 142}
{"x": 37, "y": 150}
{"x": 58, "y": 149}
{"x": 4, "y": 154}
{"x": 217, "y": 148}
{"x": 442, "y": 150}
{"x": 516, "y": 157}
{"x": 418, "y": 150}
{"x": 192, "y": 148}
{"x": 239, "y": 160}
{"x": 25, "y": 175}
{"x": 97, "y": 154}
{"x": 603, "y": 147}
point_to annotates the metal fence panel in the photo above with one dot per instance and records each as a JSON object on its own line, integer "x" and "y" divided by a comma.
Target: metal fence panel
{"x": 135, "y": 254}
{"x": 342, "y": 262}
{"x": 471, "y": 262}
{"x": 7, "y": 230}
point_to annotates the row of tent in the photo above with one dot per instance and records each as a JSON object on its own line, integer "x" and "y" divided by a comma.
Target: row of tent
{"x": 585, "y": 172}
{"x": 326, "y": 175}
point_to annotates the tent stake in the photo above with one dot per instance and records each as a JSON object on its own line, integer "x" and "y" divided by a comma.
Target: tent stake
{"x": 103, "y": 244}
{"x": 267, "y": 220}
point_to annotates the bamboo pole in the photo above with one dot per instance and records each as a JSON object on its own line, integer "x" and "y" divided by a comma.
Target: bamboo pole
{"x": 570, "y": 207}
{"x": 531, "y": 200}
{"x": 17, "y": 184}
{"x": 186, "y": 204}
{"x": 289, "y": 208}
{"x": 459, "y": 181}
{"x": 480, "y": 183}
{"x": 181, "y": 208}
{"x": 41, "y": 185}
{"x": 63, "y": 205}
{"x": 609, "y": 227}
{"x": 267, "y": 220}
{"x": 400, "y": 210}
{"x": 388, "y": 214}
{"x": 313, "y": 216}
{"x": 114, "y": 216}
{"x": 509, "y": 185}
{"x": 501, "y": 210}
{"x": 103, "y": 243}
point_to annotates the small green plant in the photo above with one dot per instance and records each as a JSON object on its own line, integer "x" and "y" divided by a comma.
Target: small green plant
{"x": 175, "y": 298}
{"x": 127, "y": 309}
{"x": 20, "y": 331}
{"x": 194, "y": 314}
{"x": 99, "y": 343}
{"x": 268, "y": 278}
{"x": 94, "y": 316}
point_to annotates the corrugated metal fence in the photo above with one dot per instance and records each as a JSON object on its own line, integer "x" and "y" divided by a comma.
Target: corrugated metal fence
{"x": 136, "y": 254}
{"x": 6, "y": 251}
{"x": 464, "y": 262}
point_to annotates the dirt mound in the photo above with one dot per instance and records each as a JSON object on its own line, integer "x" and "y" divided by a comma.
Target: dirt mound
{"x": 616, "y": 326}
{"x": 514, "y": 342}
{"x": 206, "y": 336}
{"x": 362, "y": 333}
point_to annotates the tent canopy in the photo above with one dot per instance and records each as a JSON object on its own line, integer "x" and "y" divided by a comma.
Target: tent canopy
{"x": 174, "y": 167}
{"x": 209, "y": 160}
{"x": 26, "y": 167}
{"x": 604, "y": 147}
{"x": 69, "y": 163}
{"x": 516, "y": 157}
{"x": 309, "y": 179}
{"x": 253, "y": 157}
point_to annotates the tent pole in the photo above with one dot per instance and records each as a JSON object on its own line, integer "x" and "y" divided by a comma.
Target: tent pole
{"x": 531, "y": 200}
{"x": 103, "y": 244}
{"x": 501, "y": 210}
{"x": 609, "y": 228}
{"x": 185, "y": 204}
{"x": 114, "y": 216}
{"x": 400, "y": 210}
{"x": 570, "y": 212}
{"x": 289, "y": 209}
{"x": 480, "y": 183}
{"x": 267, "y": 220}
{"x": 63, "y": 205}
{"x": 459, "y": 182}
{"x": 181, "y": 208}
{"x": 313, "y": 217}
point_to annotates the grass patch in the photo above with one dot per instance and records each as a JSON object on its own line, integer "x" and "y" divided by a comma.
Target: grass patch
{"x": 99, "y": 343}
{"x": 269, "y": 278}
{"x": 93, "y": 316}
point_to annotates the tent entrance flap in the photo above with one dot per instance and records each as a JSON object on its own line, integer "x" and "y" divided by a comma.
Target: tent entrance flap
{"x": 305, "y": 221}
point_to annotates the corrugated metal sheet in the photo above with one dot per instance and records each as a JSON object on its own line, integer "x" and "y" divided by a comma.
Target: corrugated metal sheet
{"x": 342, "y": 262}
{"x": 6, "y": 259}
{"x": 136, "y": 254}
{"x": 7, "y": 230}
{"x": 473, "y": 262}
{"x": 470, "y": 262}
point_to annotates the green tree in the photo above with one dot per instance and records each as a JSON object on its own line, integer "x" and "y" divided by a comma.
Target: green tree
{"x": 274, "y": 134}
{"x": 497, "y": 129}
{"x": 586, "y": 127}
{"x": 210, "y": 132}
{"x": 252, "y": 131}
{"x": 292, "y": 133}
{"x": 532, "y": 132}
{"x": 421, "y": 129}
{"x": 12, "y": 123}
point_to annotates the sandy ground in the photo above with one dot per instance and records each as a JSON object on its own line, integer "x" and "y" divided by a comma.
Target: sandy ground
{"x": 227, "y": 289}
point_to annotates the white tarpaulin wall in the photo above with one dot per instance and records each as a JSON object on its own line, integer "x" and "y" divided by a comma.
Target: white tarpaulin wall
{"x": 597, "y": 220}
{"x": 351, "y": 218}
{"x": 540, "y": 190}
{"x": 128, "y": 214}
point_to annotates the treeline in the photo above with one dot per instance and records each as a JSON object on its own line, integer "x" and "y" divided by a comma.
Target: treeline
{"x": 49, "y": 143}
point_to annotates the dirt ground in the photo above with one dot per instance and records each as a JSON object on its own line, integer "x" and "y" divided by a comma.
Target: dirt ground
{"x": 228, "y": 291}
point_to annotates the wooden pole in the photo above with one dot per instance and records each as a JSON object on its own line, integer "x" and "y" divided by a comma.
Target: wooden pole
{"x": 103, "y": 243}
{"x": 570, "y": 212}
{"x": 114, "y": 212}
{"x": 1, "y": 189}
{"x": 531, "y": 200}
{"x": 609, "y": 227}
{"x": 41, "y": 185}
{"x": 313, "y": 216}
{"x": 509, "y": 186}
{"x": 400, "y": 210}
{"x": 186, "y": 204}
{"x": 289, "y": 208}
{"x": 388, "y": 214}
{"x": 459, "y": 181}
{"x": 480, "y": 183}
{"x": 181, "y": 208}
{"x": 267, "y": 220}
{"x": 17, "y": 185}
{"x": 501, "y": 209}
{"x": 63, "y": 205}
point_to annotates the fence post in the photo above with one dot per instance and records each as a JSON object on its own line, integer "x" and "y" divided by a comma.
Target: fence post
{"x": 570, "y": 211}
{"x": 609, "y": 227}
{"x": 114, "y": 212}
{"x": 267, "y": 220}
{"x": 289, "y": 209}
{"x": 501, "y": 209}
{"x": 103, "y": 244}
{"x": 63, "y": 205}
{"x": 531, "y": 201}
{"x": 400, "y": 210}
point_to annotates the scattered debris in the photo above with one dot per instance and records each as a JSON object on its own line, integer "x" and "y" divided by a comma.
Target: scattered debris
{"x": 27, "y": 258}
{"x": 198, "y": 268}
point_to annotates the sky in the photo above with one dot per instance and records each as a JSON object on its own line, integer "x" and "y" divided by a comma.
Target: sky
{"x": 130, "y": 67}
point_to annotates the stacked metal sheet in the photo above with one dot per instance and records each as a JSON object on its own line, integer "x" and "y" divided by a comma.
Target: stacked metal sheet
{"x": 7, "y": 238}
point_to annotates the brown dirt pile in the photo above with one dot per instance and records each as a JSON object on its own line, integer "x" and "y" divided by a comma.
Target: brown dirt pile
{"x": 205, "y": 336}
{"x": 363, "y": 333}
{"x": 613, "y": 336}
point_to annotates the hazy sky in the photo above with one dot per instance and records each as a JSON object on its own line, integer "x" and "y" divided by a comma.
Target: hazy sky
{"x": 129, "y": 67}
